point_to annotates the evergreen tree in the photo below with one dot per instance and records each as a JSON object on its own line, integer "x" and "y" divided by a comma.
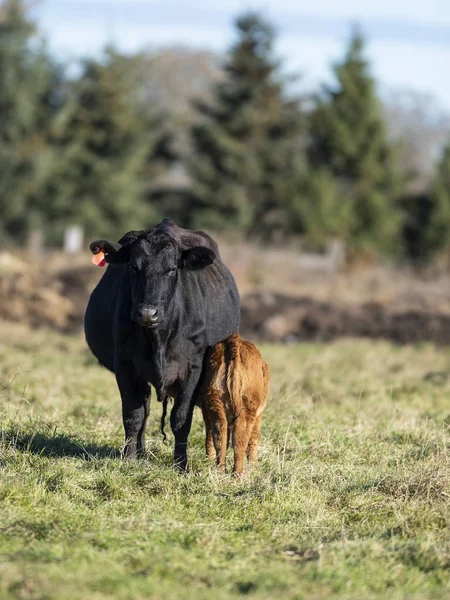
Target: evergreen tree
{"x": 438, "y": 231}
{"x": 427, "y": 216}
{"x": 323, "y": 214}
{"x": 348, "y": 139}
{"x": 27, "y": 107}
{"x": 110, "y": 146}
{"x": 248, "y": 164}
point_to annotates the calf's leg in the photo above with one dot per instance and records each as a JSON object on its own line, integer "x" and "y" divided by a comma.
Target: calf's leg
{"x": 219, "y": 430}
{"x": 252, "y": 450}
{"x": 242, "y": 429}
{"x": 209, "y": 442}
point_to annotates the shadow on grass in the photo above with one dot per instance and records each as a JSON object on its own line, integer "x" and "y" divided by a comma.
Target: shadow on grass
{"x": 56, "y": 445}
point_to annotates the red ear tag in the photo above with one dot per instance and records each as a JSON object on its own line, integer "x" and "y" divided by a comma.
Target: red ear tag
{"x": 99, "y": 259}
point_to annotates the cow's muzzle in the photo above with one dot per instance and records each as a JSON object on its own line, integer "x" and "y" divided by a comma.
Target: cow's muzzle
{"x": 147, "y": 315}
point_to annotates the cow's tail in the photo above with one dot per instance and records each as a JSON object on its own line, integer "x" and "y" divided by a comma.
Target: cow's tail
{"x": 234, "y": 372}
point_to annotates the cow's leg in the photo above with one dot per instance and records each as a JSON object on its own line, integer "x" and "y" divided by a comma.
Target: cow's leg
{"x": 135, "y": 395}
{"x": 252, "y": 450}
{"x": 181, "y": 418}
{"x": 141, "y": 434}
{"x": 242, "y": 430}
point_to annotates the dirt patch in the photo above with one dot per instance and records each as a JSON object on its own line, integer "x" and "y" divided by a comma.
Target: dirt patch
{"x": 36, "y": 296}
{"x": 278, "y": 318}
{"x": 55, "y": 294}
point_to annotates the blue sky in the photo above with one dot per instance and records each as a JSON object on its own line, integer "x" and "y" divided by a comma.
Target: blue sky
{"x": 409, "y": 40}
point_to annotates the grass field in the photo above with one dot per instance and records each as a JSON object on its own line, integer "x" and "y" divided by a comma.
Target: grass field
{"x": 350, "y": 498}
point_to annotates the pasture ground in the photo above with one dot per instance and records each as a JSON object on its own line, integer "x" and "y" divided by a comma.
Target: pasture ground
{"x": 350, "y": 499}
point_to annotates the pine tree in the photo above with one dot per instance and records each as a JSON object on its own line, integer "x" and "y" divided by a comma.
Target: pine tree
{"x": 248, "y": 164}
{"x": 348, "y": 138}
{"x": 27, "y": 107}
{"x": 426, "y": 216}
{"x": 436, "y": 226}
{"x": 110, "y": 146}
{"x": 322, "y": 212}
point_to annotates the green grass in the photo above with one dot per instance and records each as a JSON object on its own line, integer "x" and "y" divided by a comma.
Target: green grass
{"x": 350, "y": 498}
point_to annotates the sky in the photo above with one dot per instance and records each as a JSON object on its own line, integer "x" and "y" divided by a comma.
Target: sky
{"x": 408, "y": 40}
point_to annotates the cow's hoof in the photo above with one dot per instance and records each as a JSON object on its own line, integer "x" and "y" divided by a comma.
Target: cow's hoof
{"x": 130, "y": 453}
{"x": 181, "y": 465}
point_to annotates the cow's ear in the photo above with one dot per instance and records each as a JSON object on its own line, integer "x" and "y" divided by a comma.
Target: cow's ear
{"x": 197, "y": 257}
{"x": 114, "y": 253}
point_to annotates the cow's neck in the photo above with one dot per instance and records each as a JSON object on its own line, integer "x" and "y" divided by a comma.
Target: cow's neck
{"x": 160, "y": 340}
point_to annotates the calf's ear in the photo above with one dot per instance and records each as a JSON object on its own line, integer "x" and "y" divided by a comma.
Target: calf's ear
{"x": 197, "y": 257}
{"x": 114, "y": 253}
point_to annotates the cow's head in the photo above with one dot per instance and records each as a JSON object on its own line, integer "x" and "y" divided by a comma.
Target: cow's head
{"x": 155, "y": 262}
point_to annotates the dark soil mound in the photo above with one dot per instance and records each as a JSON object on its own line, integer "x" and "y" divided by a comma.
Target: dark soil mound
{"x": 56, "y": 297}
{"x": 279, "y": 318}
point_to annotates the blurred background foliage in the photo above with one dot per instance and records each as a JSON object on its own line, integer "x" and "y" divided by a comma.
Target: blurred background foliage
{"x": 215, "y": 142}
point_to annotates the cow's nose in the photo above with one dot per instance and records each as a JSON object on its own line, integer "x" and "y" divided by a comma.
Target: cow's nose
{"x": 148, "y": 314}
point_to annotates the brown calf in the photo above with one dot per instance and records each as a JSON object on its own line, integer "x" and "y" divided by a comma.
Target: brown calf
{"x": 233, "y": 396}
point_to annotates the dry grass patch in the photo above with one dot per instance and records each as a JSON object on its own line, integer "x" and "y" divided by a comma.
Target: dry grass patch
{"x": 350, "y": 499}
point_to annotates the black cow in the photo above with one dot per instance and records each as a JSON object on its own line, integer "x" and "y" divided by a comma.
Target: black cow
{"x": 165, "y": 298}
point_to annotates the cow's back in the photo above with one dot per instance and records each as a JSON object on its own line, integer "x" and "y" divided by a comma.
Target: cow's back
{"x": 212, "y": 297}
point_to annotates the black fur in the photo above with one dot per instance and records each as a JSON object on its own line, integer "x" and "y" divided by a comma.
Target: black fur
{"x": 179, "y": 276}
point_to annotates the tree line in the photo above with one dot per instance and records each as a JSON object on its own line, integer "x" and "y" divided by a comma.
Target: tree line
{"x": 258, "y": 162}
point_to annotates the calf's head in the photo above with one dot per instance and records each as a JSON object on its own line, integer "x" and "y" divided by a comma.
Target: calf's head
{"x": 155, "y": 262}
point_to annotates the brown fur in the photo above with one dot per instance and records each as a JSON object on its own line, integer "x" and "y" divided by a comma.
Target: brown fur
{"x": 233, "y": 397}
